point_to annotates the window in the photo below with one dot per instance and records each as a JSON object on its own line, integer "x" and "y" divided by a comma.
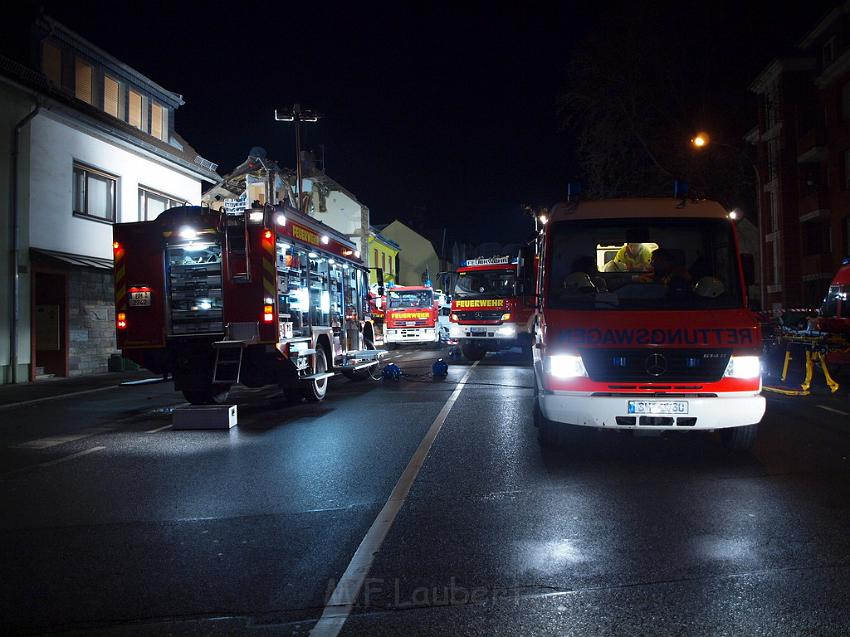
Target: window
{"x": 159, "y": 121}
{"x": 376, "y": 257}
{"x": 135, "y": 115}
{"x": 384, "y": 261}
{"x": 94, "y": 193}
{"x": 111, "y": 96}
{"x": 815, "y": 238}
{"x": 391, "y": 265}
{"x": 82, "y": 81}
{"x": 828, "y": 52}
{"x": 152, "y": 203}
{"x": 51, "y": 63}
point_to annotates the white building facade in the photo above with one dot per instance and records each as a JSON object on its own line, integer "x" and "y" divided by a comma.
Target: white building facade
{"x": 87, "y": 142}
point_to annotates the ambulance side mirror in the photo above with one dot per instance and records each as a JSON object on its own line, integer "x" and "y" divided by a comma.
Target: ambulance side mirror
{"x": 748, "y": 265}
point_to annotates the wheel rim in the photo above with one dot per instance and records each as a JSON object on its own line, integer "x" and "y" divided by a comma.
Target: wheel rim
{"x": 321, "y": 368}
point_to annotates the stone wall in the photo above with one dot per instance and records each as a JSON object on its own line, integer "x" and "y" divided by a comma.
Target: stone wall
{"x": 91, "y": 321}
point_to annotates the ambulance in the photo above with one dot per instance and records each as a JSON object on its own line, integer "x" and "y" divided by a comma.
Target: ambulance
{"x": 643, "y": 322}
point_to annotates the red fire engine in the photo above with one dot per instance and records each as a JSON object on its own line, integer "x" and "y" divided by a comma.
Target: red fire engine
{"x": 263, "y": 296}
{"x": 643, "y": 322}
{"x": 493, "y": 305}
{"x": 411, "y": 316}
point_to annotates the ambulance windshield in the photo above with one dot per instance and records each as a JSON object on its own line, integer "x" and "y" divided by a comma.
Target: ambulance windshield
{"x": 410, "y": 298}
{"x": 644, "y": 264}
{"x": 485, "y": 283}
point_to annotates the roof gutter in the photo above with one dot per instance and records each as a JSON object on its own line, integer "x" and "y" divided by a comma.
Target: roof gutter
{"x": 15, "y": 251}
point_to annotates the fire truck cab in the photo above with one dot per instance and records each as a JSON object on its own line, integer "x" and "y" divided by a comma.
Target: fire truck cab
{"x": 411, "y": 316}
{"x": 660, "y": 336}
{"x": 263, "y": 296}
{"x": 492, "y": 307}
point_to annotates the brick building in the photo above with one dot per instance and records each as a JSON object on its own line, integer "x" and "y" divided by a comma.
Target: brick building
{"x": 803, "y": 142}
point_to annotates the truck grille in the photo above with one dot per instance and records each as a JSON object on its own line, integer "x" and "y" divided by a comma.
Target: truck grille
{"x": 480, "y": 315}
{"x": 655, "y": 365}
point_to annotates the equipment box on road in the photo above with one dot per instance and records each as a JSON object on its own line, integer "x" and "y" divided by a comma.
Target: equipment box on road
{"x": 204, "y": 417}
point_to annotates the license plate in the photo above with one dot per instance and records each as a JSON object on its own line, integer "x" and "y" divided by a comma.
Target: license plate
{"x": 139, "y": 299}
{"x": 410, "y": 323}
{"x": 674, "y": 407}
{"x": 478, "y": 331}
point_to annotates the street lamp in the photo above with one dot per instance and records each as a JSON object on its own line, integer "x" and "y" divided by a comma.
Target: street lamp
{"x": 296, "y": 115}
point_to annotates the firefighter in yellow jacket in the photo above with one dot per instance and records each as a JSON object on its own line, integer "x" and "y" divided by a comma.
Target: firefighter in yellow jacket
{"x": 632, "y": 257}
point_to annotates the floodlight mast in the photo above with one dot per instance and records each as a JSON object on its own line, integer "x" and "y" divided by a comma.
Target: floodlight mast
{"x": 296, "y": 115}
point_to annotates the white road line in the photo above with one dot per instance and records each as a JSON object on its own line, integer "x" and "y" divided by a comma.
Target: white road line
{"x": 54, "y": 441}
{"x": 79, "y": 454}
{"x": 837, "y": 411}
{"x": 158, "y": 429}
{"x": 57, "y": 397}
{"x": 339, "y": 606}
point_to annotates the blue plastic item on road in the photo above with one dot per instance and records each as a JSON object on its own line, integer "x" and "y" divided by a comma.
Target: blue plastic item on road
{"x": 391, "y": 372}
{"x": 440, "y": 369}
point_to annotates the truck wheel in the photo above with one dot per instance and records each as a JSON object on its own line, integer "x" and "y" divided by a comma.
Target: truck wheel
{"x": 473, "y": 351}
{"x": 739, "y": 438}
{"x": 211, "y": 396}
{"x": 389, "y": 346}
{"x": 548, "y": 432}
{"x": 317, "y": 389}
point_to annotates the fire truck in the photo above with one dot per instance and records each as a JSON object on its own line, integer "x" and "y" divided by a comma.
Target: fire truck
{"x": 493, "y": 305}
{"x": 643, "y": 321}
{"x": 411, "y": 316}
{"x": 266, "y": 295}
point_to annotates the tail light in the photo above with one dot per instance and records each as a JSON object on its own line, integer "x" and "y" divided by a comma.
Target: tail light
{"x": 268, "y": 313}
{"x": 121, "y": 321}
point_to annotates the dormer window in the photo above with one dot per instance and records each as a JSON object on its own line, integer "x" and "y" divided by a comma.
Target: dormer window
{"x": 111, "y": 96}
{"x": 51, "y": 62}
{"x": 82, "y": 81}
{"x": 828, "y": 52}
{"x": 136, "y": 110}
{"x": 159, "y": 121}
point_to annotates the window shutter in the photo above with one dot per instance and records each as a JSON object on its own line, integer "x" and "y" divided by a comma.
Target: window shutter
{"x": 83, "y": 81}
{"x": 135, "y": 109}
{"x": 156, "y": 120}
{"x": 110, "y": 96}
{"x": 51, "y": 63}
{"x": 164, "y": 125}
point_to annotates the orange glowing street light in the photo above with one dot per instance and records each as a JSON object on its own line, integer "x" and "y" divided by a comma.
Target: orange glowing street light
{"x": 700, "y": 140}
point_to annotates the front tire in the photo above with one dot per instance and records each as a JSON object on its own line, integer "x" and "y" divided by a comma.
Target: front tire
{"x": 473, "y": 351}
{"x": 739, "y": 438}
{"x": 317, "y": 389}
{"x": 548, "y": 431}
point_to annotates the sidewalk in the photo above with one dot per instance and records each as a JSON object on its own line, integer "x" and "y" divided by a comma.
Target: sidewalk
{"x": 56, "y": 387}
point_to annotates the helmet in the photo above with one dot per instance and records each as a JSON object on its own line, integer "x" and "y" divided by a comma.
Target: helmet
{"x": 709, "y": 287}
{"x": 578, "y": 282}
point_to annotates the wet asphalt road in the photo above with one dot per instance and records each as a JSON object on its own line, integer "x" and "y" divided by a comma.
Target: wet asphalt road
{"x": 113, "y": 523}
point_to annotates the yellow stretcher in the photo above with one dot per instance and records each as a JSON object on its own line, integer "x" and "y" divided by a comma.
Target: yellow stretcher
{"x": 815, "y": 353}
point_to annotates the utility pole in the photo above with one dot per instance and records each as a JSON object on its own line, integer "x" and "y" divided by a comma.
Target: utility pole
{"x": 296, "y": 115}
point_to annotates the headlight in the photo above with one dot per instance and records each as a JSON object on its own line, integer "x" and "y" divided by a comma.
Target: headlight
{"x": 743, "y": 367}
{"x": 506, "y": 330}
{"x": 506, "y": 316}
{"x": 454, "y": 317}
{"x": 566, "y": 366}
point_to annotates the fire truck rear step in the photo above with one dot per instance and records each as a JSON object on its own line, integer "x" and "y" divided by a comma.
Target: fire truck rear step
{"x": 321, "y": 376}
{"x": 228, "y": 355}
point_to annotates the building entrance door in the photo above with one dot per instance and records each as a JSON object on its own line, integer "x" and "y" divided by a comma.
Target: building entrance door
{"x": 49, "y": 324}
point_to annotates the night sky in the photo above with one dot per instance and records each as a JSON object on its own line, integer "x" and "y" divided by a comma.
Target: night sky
{"x": 433, "y": 115}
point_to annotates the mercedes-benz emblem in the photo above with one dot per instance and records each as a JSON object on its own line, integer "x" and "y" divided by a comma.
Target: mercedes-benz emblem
{"x": 656, "y": 364}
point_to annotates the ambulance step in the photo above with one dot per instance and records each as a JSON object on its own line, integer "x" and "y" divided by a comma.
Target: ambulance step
{"x": 317, "y": 376}
{"x": 228, "y": 361}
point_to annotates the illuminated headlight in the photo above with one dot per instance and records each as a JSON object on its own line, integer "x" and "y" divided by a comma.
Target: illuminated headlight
{"x": 280, "y": 220}
{"x": 506, "y": 330}
{"x": 743, "y": 367}
{"x": 188, "y": 233}
{"x": 506, "y": 316}
{"x": 255, "y": 217}
{"x": 566, "y": 366}
{"x": 454, "y": 317}
{"x": 455, "y": 331}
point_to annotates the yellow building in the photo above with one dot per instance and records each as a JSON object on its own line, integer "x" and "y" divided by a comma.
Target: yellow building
{"x": 383, "y": 253}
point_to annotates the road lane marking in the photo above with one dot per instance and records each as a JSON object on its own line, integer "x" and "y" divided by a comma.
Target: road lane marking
{"x": 73, "y": 456}
{"x": 837, "y": 411}
{"x": 26, "y": 403}
{"x": 158, "y": 429}
{"x": 55, "y": 441}
{"x": 338, "y": 607}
